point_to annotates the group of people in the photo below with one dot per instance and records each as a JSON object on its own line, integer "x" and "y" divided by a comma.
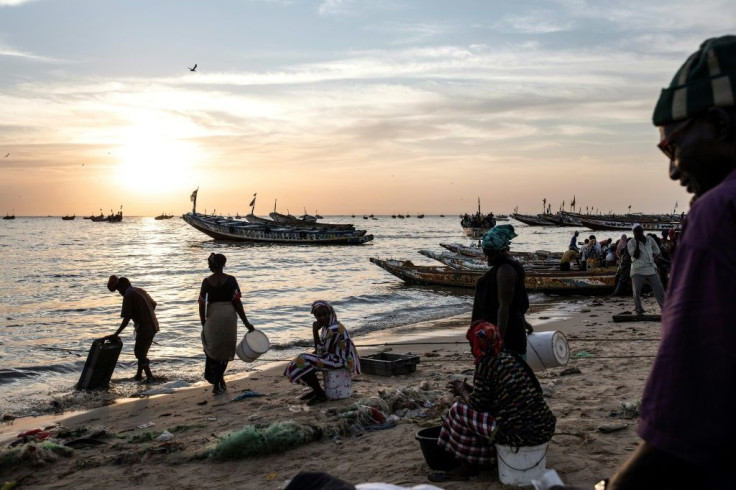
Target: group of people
{"x": 478, "y": 220}
{"x": 686, "y": 416}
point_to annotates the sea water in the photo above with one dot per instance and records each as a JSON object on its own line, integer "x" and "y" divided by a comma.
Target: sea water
{"x": 54, "y": 301}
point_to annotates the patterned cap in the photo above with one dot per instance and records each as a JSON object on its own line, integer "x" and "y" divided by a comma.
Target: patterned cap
{"x": 707, "y": 79}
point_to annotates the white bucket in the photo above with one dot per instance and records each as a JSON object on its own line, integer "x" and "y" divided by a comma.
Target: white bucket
{"x": 520, "y": 465}
{"x": 545, "y": 350}
{"x": 338, "y": 383}
{"x": 252, "y": 346}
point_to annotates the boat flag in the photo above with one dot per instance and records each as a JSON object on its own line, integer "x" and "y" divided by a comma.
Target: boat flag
{"x": 573, "y": 201}
{"x": 193, "y": 197}
{"x": 253, "y": 202}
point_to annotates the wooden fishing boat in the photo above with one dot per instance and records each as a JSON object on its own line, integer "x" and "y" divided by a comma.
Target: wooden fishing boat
{"x": 531, "y": 220}
{"x": 235, "y": 230}
{"x": 627, "y": 224}
{"x": 284, "y": 219}
{"x": 476, "y": 225}
{"x": 9, "y": 216}
{"x": 69, "y": 218}
{"x": 548, "y": 282}
{"x": 477, "y": 252}
{"x": 163, "y": 216}
{"x": 462, "y": 262}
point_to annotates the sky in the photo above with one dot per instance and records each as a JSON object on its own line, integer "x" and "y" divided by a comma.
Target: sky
{"x": 340, "y": 106}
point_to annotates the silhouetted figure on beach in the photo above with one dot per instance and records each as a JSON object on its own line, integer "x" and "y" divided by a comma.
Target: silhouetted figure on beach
{"x": 139, "y": 307}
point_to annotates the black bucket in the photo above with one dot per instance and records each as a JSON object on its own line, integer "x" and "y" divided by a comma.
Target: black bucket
{"x": 437, "y": 457}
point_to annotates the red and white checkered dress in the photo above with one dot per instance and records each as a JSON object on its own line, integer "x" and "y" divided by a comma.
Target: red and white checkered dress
{"x": 466, "y": 433}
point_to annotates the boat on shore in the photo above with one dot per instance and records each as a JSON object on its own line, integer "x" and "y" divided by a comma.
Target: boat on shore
{"x": 477, "y": 252}
{"x": 586, "y": 283}
{"x": 532, "y": 220}
{"x": 69, "y": 218}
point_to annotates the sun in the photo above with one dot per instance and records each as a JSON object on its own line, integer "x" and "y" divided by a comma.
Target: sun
{"x": 150, "y": 161}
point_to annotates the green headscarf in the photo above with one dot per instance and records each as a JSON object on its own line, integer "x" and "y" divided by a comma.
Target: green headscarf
{"x": 498, "y": 238}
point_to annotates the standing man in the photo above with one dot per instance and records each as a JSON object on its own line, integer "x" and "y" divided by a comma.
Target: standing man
{"x": 574, "y": 242}
{"x": 644, "y": 251}
{"x": 687, "y": 412}
{"x": 137, "y": 306}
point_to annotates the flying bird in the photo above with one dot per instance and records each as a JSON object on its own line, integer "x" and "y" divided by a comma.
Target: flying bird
{"x": 194, "y": 68}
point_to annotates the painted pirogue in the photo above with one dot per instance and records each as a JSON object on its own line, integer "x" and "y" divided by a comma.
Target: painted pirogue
{"x": 591, "y": 282}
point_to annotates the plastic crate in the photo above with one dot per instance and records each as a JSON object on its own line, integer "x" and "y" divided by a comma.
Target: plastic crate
{"x": 385, "y": 364}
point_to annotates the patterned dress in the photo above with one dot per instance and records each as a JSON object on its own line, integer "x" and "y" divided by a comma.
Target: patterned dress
{"x": 506, "y": 407}
{"x": 334, "y": 351}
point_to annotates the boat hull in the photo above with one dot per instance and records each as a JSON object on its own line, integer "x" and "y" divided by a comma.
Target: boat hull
{"x": 230, "y": 230}
{"x": 547, "y": 282}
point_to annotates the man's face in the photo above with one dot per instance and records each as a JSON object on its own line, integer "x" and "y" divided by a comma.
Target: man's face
{"x": 695, "y": 159}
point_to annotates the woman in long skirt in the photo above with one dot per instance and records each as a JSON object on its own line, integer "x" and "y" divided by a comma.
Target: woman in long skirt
{"x": 219, "y": 309}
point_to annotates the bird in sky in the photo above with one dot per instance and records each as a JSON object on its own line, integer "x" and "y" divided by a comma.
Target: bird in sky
{"x": 194, "y": 68}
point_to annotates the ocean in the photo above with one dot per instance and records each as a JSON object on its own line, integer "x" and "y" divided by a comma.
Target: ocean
{"x": 54, "y": 301}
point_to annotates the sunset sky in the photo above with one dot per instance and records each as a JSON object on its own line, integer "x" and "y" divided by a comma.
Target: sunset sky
{"x": 339, "y": 106}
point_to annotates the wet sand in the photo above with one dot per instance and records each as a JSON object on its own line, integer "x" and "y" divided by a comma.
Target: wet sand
{"x": 594, "y": 432}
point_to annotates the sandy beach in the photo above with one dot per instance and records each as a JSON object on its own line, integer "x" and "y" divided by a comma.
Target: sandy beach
{"x": 120, "y": 445}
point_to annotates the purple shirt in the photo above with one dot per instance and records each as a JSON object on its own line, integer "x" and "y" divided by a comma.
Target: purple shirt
{"x": 689, "y": 404}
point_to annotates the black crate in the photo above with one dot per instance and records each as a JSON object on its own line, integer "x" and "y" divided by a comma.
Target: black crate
{"x": 385, "y": 364}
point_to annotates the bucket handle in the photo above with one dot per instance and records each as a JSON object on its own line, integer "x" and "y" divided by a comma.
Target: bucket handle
{"x": 524, "y": 469}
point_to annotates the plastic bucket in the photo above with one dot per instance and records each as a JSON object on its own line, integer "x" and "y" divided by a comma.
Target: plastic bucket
{"x": 436, "y": 457}
{"x": 338, "y": 384}
{"x": 545, "y": 350}
{"x": 520, "y": 465}
{"x": 252, "y": 346}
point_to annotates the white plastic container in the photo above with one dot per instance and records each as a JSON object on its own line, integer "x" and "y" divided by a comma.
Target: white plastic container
{"x": 520, "y": 465}
{"x": 338, "y": 383}
{"x": 545, "y": 350}
{"x": 253, "y": 345}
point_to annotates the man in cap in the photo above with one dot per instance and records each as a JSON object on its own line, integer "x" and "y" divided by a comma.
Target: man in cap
{"x": 688, "y": 410}
{"x": 137, "y": 306}
{"x": 644, "y": 251}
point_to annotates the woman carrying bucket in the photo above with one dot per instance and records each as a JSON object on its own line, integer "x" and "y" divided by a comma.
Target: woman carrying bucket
{"x": 504, "y": 406}
{"x": 333, "y": 349}
{"x": 219, "y": 309}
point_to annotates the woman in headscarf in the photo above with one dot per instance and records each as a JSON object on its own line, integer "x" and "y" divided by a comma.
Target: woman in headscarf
{"x": 219, "y": 309}
{"x": 333, "y": 349}
{"x": 505, "y": 405}
{"x": 500, "y": 294}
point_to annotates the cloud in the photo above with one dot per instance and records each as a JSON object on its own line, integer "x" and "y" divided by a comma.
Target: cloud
{"x": 352, "y": 8}
{"x": 14, "y": 3}
{"x": 14, "y": 53}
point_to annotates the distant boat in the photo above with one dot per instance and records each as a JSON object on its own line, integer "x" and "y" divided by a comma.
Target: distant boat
{"x": 69, "y": 218}
{"x": 442, "y": 216}
{"x": 9, "y": 216}
{"x": 164, "y": 216}
{"x": 400, "y": 216}
{"x": 420, "y": 216}
{"x": 393, "y": 216}
{"x": 317, "y": 215}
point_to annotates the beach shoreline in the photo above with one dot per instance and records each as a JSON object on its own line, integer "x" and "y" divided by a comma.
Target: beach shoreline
{"x": 589, "y": 443}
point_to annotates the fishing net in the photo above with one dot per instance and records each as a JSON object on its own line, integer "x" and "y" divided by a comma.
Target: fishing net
{"x": 258, "y": 440}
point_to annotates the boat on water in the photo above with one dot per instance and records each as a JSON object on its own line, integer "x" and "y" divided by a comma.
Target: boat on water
{"x": 476, "y": 225}
{"x": 164, "y": 216}
{"x": 590, "y": 282}
{"x": 110, "y": 218}
{"x": 69, "y": 218}
{"x": 627, "y": 224}
{"x": 221, "y": 228}
{"x": 532, "y": 220}
{"x": 9, "y": 216}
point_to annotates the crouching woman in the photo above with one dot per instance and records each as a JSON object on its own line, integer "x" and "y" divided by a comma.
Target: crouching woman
{"x": 505, "y": 405}
{"x": 333, "y": 349}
